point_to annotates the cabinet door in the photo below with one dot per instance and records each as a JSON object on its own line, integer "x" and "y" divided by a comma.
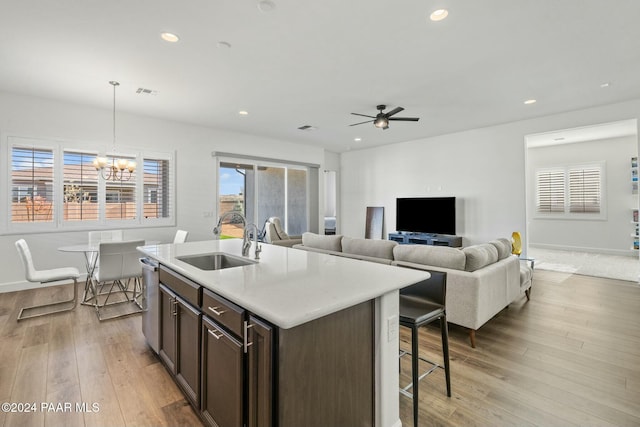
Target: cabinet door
{"x": 259, "y": 376}
{"x": 188, "y": 341}
{"x": 222, "y": 376}
{"x": 168, "y": 328}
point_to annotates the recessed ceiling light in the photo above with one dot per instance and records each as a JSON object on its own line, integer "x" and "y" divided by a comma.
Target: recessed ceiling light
{"x": 243, "y": 113}
{"x": 606, "y": 84}
{"x": 357, "y": 139}
{"x": 223, "y": 44}
{"x": 169, "y": 37}
{"x": 266, "y": 5}
{"x": 530, "y": 101}
{"x": 439, "y": 15}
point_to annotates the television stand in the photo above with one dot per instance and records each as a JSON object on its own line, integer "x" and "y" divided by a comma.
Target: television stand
{"x": 405, "y": 238}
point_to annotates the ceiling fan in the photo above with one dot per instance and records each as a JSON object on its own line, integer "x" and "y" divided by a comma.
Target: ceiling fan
{"x": 381, "y": 120}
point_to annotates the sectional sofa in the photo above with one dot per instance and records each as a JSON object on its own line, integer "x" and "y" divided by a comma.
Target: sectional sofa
{"x": 481, "y": 279}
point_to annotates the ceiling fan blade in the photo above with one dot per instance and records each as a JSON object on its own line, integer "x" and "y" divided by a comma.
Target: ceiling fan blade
{"x": 405, "y": 119}
{"x": 361, "y": 123}
{"x": 394, "y": 111}
{"x": 363, "y": 115}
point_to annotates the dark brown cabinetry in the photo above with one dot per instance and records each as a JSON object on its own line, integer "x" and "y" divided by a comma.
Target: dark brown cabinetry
{"x": 239, "y": 370}
{"x": 180, "y": 337}
{"x": 236, "y": 365}
{"x": 259, "y": 373}
{"x": 222, "y": 377}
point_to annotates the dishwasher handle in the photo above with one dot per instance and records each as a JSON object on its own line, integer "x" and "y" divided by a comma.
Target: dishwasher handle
{"x": 148, "y": 264}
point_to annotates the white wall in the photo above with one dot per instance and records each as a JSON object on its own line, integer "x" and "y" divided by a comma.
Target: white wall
{"x": 609, "y": 235}
{"x": 483, "y": 168}
{"x": 195, "y": 170}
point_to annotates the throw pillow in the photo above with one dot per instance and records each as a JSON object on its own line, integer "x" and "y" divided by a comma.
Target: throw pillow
{"x": 367, "y": 247}
{"x": 435, "y": 256}
{"x": 327, "y": 243}
{"x": 479, "y": 256}
{"x": 503, "y": 246}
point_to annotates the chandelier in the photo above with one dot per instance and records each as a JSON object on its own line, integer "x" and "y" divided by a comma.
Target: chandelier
{"x": 119, "y": 169}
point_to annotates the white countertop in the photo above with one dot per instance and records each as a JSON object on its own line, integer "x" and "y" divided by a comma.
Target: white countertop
{"x": 287, "y": 287}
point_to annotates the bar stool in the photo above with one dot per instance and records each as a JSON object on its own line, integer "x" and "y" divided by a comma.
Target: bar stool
{"x": 421, "y": 304}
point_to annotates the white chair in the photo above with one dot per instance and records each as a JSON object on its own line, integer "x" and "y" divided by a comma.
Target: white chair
{"x": 118, "y": 264}
{"x": 181, "y": 236}
{"x": 46, "y": 276}
{"x": 95, "y": 238}
{"x": 275, "y": 234}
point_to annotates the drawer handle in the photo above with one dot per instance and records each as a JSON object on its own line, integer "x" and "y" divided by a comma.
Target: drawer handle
{"x": 214, "y": 334}
{"x": 216, "y": 312}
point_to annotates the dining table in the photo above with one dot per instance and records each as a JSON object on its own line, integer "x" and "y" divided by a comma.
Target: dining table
{"x": 91, "y": 251}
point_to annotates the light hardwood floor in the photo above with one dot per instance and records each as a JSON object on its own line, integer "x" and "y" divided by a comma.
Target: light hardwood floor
{"x": 570, "y": 356}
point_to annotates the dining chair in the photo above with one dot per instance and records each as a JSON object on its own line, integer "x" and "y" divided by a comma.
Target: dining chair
{"x": 46, "y": 276}
{"x": 95, "y": 238}
{"x": 118, "y": 265}
{"x": 181, "y": 236}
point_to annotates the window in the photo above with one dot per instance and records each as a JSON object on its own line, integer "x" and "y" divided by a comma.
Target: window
{"x": 550, "y": 191}
{"x": 121, "y": 193}
{"x": 157, "y": 188}
{"x": 570, "y": 191}
{"x": 80, "y": 186}
{"x": 584, "y": 190}
{"x": 260, "y": 190}
{"x": 32, "y": 189}
{"x": 54, "y": 185}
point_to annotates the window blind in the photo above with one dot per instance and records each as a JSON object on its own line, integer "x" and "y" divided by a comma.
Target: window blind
{"x": 157, "y": 189}
{"x": 584, "y": 190}
{"x": 32, "y": 189}
{"x": 80, "y": 186}
{"x": 121, "y": 193}
{"x": 551, "y": 191}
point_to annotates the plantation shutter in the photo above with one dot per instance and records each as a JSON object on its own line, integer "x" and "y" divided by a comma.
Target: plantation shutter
{"x": 551, "y": 191}
{"x": 31, "y": 184}
{"x": 157, "y": 189}
{"x": 120, "y": 191}
{"x": 80, "y": 202}
{"x": 584, "y": 190}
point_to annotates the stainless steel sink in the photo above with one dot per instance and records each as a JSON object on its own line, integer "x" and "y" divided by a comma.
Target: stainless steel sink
{"x": 215, "y": 261}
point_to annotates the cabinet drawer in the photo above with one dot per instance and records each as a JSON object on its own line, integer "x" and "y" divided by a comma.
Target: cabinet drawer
{"x": 223, "y": 311}
{"x": 185, "y": 288}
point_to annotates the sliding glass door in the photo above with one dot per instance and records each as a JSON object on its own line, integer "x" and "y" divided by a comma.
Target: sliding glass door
{"x": 259, "y": 191}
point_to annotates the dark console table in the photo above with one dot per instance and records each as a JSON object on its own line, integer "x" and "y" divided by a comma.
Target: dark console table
{"x": 426, "y": 239}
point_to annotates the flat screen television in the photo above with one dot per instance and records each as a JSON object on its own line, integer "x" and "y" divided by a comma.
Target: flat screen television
{"x": 435, "y": 215}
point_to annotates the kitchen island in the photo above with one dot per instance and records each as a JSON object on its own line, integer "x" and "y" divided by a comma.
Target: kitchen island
{"x": 300, "y": 338}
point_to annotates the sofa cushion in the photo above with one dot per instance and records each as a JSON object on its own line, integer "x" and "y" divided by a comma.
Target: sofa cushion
{"x": 328, "y": 243}
{"x": 478, "y": 256}
{"x": 370, "y": 248}
{"x": 436, "y": 256}
{"x": 503, "y": 246}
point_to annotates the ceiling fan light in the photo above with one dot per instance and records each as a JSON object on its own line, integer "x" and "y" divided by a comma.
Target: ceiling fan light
{"x": 381, "y": 122}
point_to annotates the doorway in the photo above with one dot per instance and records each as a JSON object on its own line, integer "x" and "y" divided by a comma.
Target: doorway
{"x": 581, "y": 199}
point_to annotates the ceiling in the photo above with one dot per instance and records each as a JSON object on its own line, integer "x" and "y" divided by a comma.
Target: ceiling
{"x": 315, "y": 62}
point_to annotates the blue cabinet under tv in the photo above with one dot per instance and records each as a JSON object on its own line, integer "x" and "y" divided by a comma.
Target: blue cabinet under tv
{"x": 426, "y": 239}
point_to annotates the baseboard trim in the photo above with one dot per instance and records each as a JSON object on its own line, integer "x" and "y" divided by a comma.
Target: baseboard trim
{"x": 604, "y": 251}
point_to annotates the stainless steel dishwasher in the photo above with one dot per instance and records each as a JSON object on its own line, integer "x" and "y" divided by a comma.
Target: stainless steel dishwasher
{"x": 150, "y": 303}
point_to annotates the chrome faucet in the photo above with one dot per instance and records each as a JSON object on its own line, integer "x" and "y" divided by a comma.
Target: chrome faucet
{"x": 246, "y": 241}
{"x": 218, "y": 228}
